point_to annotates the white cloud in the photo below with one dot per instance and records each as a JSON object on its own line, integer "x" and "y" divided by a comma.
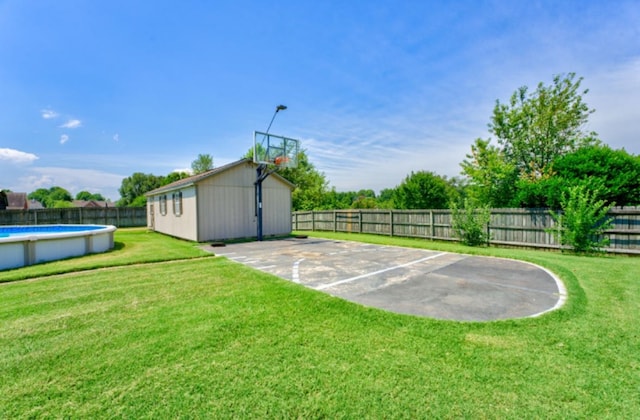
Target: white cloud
{"x": 72, "y": 124}
{"x": 16, "y": 156}
{"x": 615, "y": 95}
{"x": 187, "y": 170}
{"x": 48, "y": 114}
{"x": 64, "y": 138}
{"x": 116, "y": 137}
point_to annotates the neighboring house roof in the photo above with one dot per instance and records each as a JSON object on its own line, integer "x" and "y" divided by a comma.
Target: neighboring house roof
{"x": 89, "y": 203}
{"x": 35, "y": 205}
{"x": 17, "y": 201}
{"x": 192, "y": 180}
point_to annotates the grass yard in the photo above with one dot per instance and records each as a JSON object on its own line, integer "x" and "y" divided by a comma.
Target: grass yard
{"x": 206, "y": 337}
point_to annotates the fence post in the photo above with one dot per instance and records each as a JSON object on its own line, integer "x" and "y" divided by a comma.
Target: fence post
{"x": 335, "y": 222}
{"x": 390, "y": 222}
{"x": 360, "y": 221}
{"x": 432, "y": 227}
{"x": 488, "y": 230}
{"x": 313, "y": 221}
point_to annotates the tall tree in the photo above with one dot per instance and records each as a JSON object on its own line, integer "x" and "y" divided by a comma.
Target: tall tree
{"x": 133, "y": 189}
{"x": 491, "y": 176}
{"x": 52, "y": 197}
{"x": 613, "y": 176}
{"x": 311, "y": 184}
{"x": 202, "y": 164}
{"x": 423, "y": 190}
{"x": 534, "y": 129}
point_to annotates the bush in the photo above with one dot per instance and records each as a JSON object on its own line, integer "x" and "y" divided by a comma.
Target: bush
{"x": 582, "y": 221}
{"x": 470, "y": 223}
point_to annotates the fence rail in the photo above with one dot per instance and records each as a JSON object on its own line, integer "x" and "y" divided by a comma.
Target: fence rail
{"x": 117, "y": 216}
{"x": 512, "y": 227}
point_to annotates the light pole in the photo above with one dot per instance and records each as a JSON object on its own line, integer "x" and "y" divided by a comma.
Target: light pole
{"x": 278, "y": 109}
{"x": 262, "y": 174}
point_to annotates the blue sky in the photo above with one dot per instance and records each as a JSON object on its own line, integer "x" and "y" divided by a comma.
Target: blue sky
{"x": 91, "y": 92}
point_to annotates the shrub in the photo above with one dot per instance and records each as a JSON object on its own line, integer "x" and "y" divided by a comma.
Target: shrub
{"x": 470, "y": 223}
{"x": 583, "y": 220}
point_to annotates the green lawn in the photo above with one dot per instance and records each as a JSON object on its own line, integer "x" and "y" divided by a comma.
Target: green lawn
{"x": 206, "y": 337}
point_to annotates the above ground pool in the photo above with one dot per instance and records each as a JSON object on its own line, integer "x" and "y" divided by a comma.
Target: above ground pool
{"x": 27, "y": 245}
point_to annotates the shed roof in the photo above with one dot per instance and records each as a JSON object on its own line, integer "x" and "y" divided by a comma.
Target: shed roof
{"x": 194, "y": 179}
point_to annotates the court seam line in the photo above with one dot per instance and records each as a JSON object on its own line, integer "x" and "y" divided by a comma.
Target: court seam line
{"x": 373, "y": 273}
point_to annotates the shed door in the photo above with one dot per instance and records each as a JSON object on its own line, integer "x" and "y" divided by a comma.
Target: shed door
{"x": 152, "y": 220}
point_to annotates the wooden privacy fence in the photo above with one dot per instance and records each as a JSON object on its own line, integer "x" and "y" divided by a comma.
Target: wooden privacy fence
{"x": 513, "y": 227}
{"x": 117, "y": 216}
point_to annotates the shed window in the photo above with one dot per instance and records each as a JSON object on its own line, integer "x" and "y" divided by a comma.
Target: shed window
{"x": 163, "y": 205}
{"x": 177, "y": 203}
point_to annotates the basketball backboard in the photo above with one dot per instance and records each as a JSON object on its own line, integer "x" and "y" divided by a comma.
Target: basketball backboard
{"x": 272, "y": 149}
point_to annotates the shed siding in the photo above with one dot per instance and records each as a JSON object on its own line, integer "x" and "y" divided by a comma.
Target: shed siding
{"x": 181, "y": 226}
{"x": 222, "y": 206}
{"x": 276, "y": 205}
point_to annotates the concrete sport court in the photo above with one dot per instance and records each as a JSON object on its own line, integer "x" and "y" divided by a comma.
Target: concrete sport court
{"x": 408, "y": 281}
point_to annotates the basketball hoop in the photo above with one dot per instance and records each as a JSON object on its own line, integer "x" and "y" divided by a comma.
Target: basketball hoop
{"x": 281, "y": 160}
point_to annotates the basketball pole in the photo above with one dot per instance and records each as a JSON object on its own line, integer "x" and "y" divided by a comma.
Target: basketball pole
{"x": 261, "y": 174}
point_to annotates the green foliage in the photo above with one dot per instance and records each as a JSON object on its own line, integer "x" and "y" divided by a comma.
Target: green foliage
{"x": 134, "y": 188}
{"x": 534, "y": 129}
{"x": 311, "y": 184}
{"x": 491, "y": 176}
{"x": 61, "y": 204}
{"x": 4, "y": 200}
{"x": 311, "y": 191}
{"x": 423, "y": 190}
{"x": 202, "y": 164}
{"x": 613, "y": 174}
{"x": 137, "y": 185}
{"x": 583, "y": 220}
{"x": 173, "y": 177}
{"x": 616, "y": 171}
{"x": 386, "y": 198}
{"x": 470, "y": 223}
{"x": 87, "y": 196}
{"x": 51, "y": 197}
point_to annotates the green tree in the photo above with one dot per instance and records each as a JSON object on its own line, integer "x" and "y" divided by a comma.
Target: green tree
{"x": 61, "y": 204}
{"x": 386, "y": 198}
{"x": 423, "y": 190}
{"x": 40, "y": 195}
{"x": 616, "y": 171}
{"x": 203, "y": 163}
{"x": 470, "y": 223}
{"x": 311, "y": 184}
{"x": 4, "y": 201}
{"x": 87, "y": 196}
{"x": 173, "y": 177}
{"x": 137, "y": 185}
{"x": 491, "y": 176}
{"x": 583, "y": 220}
{"x": 51, "y": 197}
{"x": 534, "y": 129}
{"x": 614, "y": 174}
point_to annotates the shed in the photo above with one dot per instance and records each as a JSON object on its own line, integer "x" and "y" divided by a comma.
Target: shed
{"x": 220, "y": 204}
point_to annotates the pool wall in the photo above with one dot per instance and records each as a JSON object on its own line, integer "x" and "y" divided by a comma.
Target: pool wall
{"x": 33, "y": 248}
